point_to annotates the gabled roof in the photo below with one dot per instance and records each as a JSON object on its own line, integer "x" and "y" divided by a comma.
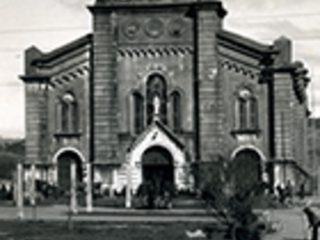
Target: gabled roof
{"x": 74, "y": 45}
{"x": 161, "y": 127}
{"x": 244, "y": 45}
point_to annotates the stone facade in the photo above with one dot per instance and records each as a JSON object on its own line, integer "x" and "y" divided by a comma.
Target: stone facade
{"x": 165, "y": 75}
{"x": 313, "y": 151}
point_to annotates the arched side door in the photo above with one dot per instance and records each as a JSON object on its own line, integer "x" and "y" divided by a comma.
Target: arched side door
{"x": 64, "y": 162}
{"x": 246, "y": 170}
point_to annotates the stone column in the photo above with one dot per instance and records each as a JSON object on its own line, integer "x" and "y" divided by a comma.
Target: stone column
{"x": 55, "y": 173}
{"x": 73, "y": 189}
{"x": 89, "y": 187}
{"x": 33, "y": 192}
{"x": 19, "y": 191}
{"x": 176, "y": 174}
{"x": 128, "y": 187}
{"x": 32, "y": 184}
{"x": 114, "y": 182}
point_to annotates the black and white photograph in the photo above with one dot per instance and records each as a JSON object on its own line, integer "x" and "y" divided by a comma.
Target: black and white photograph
{"x": 159, "y": 119}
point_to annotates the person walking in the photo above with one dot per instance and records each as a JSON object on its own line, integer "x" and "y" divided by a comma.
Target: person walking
{"x": 313, "y": 222}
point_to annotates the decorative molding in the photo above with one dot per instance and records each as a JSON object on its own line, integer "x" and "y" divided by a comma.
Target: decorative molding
{"x": 177, "y": 27}
{"x": 69, "y": 76}
{"x": 68, "y": 135}
{"x": 240, "y": 68}
{"x": 236, "y": 132}
{"x": 154, "y": 52}
{"x": 154, "y": 28}
{"x": 131, "y": 28}
{"x": 156, "y": 67}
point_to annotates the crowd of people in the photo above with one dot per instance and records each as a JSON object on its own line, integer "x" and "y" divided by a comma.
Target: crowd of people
{"x": 286, "y": 193}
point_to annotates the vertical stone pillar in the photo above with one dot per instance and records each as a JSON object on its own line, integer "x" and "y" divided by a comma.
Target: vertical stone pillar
{"x": 55, "y": 173}
{"x": 210, "y": 86}
{"x": 32, "y": 185}
{"x": 33, "y": 191}
{"x": 89, "y": 187}
{"x": 114, "y": 182}
{"x": 105, "y": 85}
{"x": 128, "y": 187}
{"x": 20, "y": 191}
{"x": 73, "y": 189}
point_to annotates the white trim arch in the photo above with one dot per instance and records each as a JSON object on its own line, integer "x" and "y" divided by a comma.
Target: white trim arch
{"x": 248, "y": 147}
{"x": 263, "y": 161}
{"x": 155, "y": 137}
{"x": 68, "y": 149}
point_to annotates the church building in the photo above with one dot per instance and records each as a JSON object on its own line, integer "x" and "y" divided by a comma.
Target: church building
{"x": 158, "y": 90}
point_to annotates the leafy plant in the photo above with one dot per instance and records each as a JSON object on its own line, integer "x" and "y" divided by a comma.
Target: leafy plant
{"x": 233, "y": 206}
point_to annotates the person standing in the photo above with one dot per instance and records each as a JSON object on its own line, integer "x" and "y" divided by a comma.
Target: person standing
{"x": 313, "y": 222}
{"x": 301, "y": 191}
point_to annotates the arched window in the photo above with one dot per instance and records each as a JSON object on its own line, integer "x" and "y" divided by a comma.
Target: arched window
{"x": 242, "y": 113}
{"x": 156, "y": 98}
{"x": 247, "y": 108}
{"x": 176, "y": 111}
{"x": 138, "y": 113}
{"x": 74, "y": 112}
{"x": 253, "y": 118}
{"x": 64, "y": 116}
{"x": 69, "y": 115}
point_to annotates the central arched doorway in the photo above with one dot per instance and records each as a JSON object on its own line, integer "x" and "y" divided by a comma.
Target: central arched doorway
{"x": 157, "y": 168}
{"x": 246, "y": 170}
{"x": 64, "y": 162}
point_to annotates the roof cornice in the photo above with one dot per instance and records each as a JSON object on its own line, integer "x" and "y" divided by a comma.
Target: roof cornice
{"x": 244, "y": 45}
{"x": 35, "y": 78}
{"x": 78, "y": 43}
{"x": 107, "y": 5}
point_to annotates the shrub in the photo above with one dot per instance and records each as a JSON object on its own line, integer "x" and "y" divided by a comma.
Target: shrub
{"x": 233, "y": 206}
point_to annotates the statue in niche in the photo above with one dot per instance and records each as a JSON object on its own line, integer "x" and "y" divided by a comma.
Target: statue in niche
{"x": 156, "y": 104}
